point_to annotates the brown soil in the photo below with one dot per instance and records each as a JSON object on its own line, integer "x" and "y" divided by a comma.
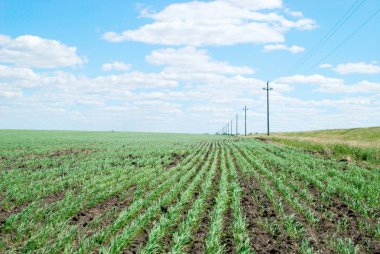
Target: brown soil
{"x": 58, "y": 153}
{"x": 4, "y": 214}
{"x": 327, "y": 230}
{"x": 70, "y": 152}
{"x": 53, "y": 198}
{"x": 83, "y": 218}
{"x": 142, "y": 238}
{"x": 227, "y": 235}
{"x": 339, "y": 211}
{"x": 198, "y": 244}
{"x": 176, "y": 159}
{"x": 267, "y": 140}
{"x": 256, "y": 207}
{"x": 310, "y": 232}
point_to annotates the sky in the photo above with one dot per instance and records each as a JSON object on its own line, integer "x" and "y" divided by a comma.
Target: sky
{"x": 189, "y": 66}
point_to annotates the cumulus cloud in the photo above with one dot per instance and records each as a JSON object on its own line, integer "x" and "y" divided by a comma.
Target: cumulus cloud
{"x": 361, "y": 67}
{"x": 138, "y": 79}
{"x": 325, "y": 66}
{"x": 256, "y": 4}
{"x": 117, "y": 66}
{"x": 177, "y": 98}
{"x": 332, "y": 85}
{"x": 7, "y": 91}
{"x": 220, "y": 22}
{"x": 190, "y": 59}
{"x": 349, "y": 68}
{"x": 293, "y": 49}
{"x": 358, "y": 88}
{"x": 36, "y": 52}
{"x": 310, "y": 79}
{"x": 11, "y": 72}
{"x": 296, "y": 14}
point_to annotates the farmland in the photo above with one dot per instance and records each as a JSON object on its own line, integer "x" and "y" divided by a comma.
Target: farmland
{"x": 114, "y": 192}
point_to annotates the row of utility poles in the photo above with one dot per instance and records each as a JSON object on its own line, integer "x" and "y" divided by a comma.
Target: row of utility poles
{"x": 227, "y": 129}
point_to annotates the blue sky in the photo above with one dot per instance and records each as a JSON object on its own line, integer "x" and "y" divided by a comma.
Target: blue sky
{"x": 187, "y": 66}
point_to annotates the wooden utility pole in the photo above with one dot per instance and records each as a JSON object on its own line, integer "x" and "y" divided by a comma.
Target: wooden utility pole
{"x": 245, "y": 120}
{"x": 267, "y": 89}
{"x": 237, "y": 124}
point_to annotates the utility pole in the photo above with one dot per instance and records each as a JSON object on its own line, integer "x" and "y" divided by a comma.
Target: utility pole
{"x": 231, "y": 129}
{"x": 267, "y": 89}
{"x": 228, "y": 128}
{"x": 236, "y": 124}
{"x": 245, "y": 120}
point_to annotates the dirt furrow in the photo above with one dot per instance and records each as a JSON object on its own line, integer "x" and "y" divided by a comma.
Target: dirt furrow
{"x": 83, "y": 218}
{"x": 142, "y": 238}
{"x": 198, "y": 242}
{"x": 6, "y": 213}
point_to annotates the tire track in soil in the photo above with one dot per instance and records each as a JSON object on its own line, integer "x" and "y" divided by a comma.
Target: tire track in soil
{"x": 142, "y": 238}
{"x": 198, "y": 242}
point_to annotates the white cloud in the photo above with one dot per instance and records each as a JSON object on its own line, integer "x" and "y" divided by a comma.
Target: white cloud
{"x": 256, "y": 4}
{"x": 348, "y": 68}
{"x": 332, "y": 85}
{"x": 8, "y": 91}
{"x": 192, "y": 60}
{"x": 11, "y": 72}
{"x": 178, "y": 98}
{"x": 325, "y": 66}
{"x": 311, "y": 79}
{"x": 36, "y": 52}
{"x": 137, "y": 79}
{"x": 296, "y": 14}
{"x": 363, "y": 68}
{"x": 293, "y": 49}
{"x": 117, "y": 66}
{"x": 221, "y": 22}
{"x": 358, "y": 88}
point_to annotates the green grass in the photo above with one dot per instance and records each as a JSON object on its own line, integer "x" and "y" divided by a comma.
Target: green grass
{"x": 360, "y": 144}
{"x": 365, "y": 136}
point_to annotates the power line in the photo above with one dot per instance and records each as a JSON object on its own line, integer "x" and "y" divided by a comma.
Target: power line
{"x": 345, "y": 40}
{"x": 351, "y": 11}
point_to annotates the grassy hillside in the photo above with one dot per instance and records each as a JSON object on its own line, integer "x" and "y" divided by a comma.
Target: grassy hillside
{"x": 359, "y": 144}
